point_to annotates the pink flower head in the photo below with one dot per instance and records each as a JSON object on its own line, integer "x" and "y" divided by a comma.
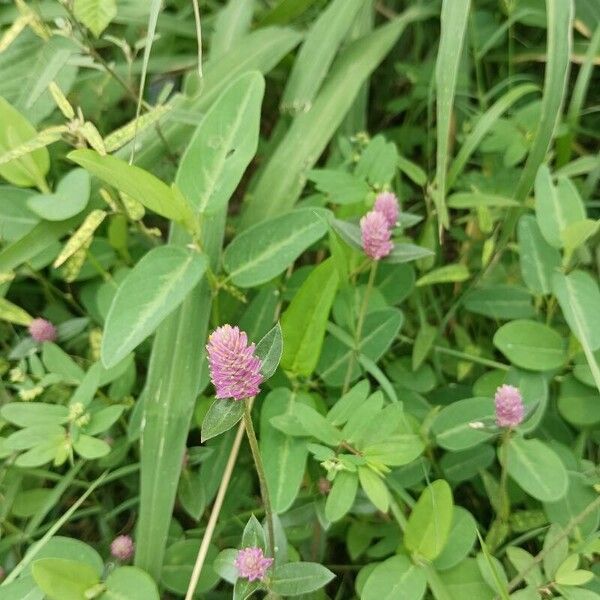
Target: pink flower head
{"x": 234, "y": 369}
{"x": 387, "y": 204}
{"x": 252, "y": 564}
{"x": 42, "y": 330}
{"x": 509, "y": 406}
{"x": 375, "y": 234}
{"x": 122, "y": 548}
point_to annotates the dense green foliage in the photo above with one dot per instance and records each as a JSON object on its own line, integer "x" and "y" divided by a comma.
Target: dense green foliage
{"x": 168, "y": 167}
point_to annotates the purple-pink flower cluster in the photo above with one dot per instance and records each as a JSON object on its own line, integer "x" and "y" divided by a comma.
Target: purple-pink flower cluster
{"x": 376, "y": 226}
{"x": 42, "y": 330}
{"x": 252, "y": 564}
{"x": 510, "y": 410}
{"x": 234, "y": 368}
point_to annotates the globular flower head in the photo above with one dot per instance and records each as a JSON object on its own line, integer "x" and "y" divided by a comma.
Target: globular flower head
{"x": 252, "y": 564}
{"x": 509, "y": 406}
{"x": 375, "y": 235}
{"x": 387, "y": 204}
{"x": 234, "y": 368}
{"x": 122, "y": 548}
{"x": 42, "y": 330}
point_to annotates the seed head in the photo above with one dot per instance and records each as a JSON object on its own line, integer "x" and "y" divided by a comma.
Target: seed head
{"x": 122, "y": 548}
{"x": 234, "y": 368}
{"x": 252, "y": 564}
{"x": 509, "y": 406}
{"x": 42, "y": 330}
{"x": 375, "y": 235}
{"x": 387, "y": 204}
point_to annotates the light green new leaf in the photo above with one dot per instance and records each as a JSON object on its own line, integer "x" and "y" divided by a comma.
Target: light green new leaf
{"x": 305, "y": 320}
{"x": 267, "y": 249}
{"x": 342, "y": 494}
{"x": 284, "y": 456}
{"x": 446, "y": 274}
{"x": 63, "y": 579}
{"x": 96, "y": 15}
{"x": 537, "y": 469}
{"x": 153, "y": 289}
{"x": 130, "y": 583}
{"x": 298, "y": 578}
{"x": 531, "y": 345}
{"x": 453, "y": 21}
{"x": 13, "y": 314}
{"x": 375, "y": 488}
{"x": 579, "y": 299}
{"x": 224, "y": 143}
{"x": 430, "y": 520}
{"x": 556, "y": 206}
{"x": 15, "y": 130}
{"x": 136, "y": 183}
{"x": 395, "y": 578}
{"x": 539, "y": 260}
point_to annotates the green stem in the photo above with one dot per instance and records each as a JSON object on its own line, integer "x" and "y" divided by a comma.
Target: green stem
{"x": 262, "y": 479}
{"x": 361, "y": 320}
{"x": 504, "y": 498}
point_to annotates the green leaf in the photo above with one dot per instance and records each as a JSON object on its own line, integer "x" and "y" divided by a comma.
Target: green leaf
{"x": 453, "y": 22}
{"x": 104, "y": 418}
{"x": 341, "y": 497}
{"x": 305, "y": 320}
{"x": 346, "y": 406}
{"x": 451, "y": 426}
{"x": 254, "y": 534}
{"x": 395, "y": 578}
{"x": 317, "y": 425}
{"x": 267, "y": 249}
{"x": 478, "y": 200}
{"x": 152, "y": 290}
{"x": 231, "y": 23}
{"x": 14, "y": 314}
{"x": 96, "y": 15}
{"x": 579, "y": 299}
{"x": 71, "y": 197}
{"x": 90, "y": 447}
{"x": 375, "y": 488}
{"x": 423, "y": 344}
{"x": 461, "y": 540}
{"x": 42, "y": 453}
{"x": 190, "y": 493}
{"x": 34, "y": 413}
{"x": 63, "y": 579}
{"x": 556, "y": 206}
{"x": 15, "y": 130}
{"x": 576, "y": 234}
{"x": 129, "y": 583}
{"x": 269, "y": 350}
{"x": 297, "y": 578}
{"x": 500, "y": 302}
{"x": 179, "y": 562}
{"x": 32, "y": 436}
{"x": 284, "y": 456}
{"x": 430, "y": 521}
{"x": 556, "y": 548}
{"x": 403, "y": 253}
{"x": 539, "y": 260}
{"x": 446, "y": 274}
{"x": 136, "y": 183}
{"x": 223, "y": 144}
{"x": 531, "y": 345}
{"x": 339, "y": 186}
{"x": 221, "y": 416}
{"x": 537, "y": 469}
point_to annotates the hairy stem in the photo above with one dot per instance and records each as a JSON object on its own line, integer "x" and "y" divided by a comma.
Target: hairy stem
{"x": 262, "y": 479}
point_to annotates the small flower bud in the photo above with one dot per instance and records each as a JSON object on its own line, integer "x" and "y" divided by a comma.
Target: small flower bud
{"x": 42, "y": 330}
{"x": 122, "y": 548}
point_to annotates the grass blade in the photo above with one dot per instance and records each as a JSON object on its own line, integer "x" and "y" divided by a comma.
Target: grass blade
{"x": 231, "y": 24}
{"x": 172, "y": 385}
{"x": 454, "y": 20}
{"x": 282, "y": 179}
{"x": 317, "y": 53}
